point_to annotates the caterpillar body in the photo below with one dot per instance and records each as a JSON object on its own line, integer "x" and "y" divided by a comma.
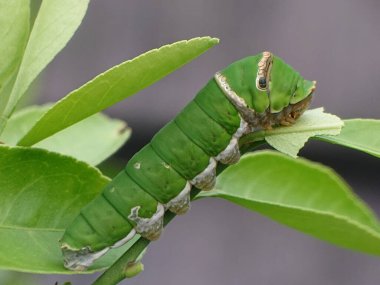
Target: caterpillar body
{"x": 257, "y": 92}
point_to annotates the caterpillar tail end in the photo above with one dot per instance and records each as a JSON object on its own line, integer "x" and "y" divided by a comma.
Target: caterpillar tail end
{"x": 79, "y": 260}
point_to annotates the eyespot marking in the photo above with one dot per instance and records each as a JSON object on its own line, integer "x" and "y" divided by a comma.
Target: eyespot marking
{"x": 262, "y": 82}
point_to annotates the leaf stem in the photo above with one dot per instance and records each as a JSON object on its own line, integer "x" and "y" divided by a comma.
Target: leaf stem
{"x": 115, "y": 273}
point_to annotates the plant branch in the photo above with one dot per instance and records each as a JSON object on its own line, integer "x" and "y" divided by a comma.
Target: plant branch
{"x": 116, "y": 272}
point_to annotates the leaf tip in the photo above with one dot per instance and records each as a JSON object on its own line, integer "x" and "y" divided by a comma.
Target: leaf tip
{"x": 210, "y": 40}
{"x": 124, "y": 129}
{"x": 215, "y": 41}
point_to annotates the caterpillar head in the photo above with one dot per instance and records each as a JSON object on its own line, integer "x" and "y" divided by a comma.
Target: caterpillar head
{"x": 289, "y": 94}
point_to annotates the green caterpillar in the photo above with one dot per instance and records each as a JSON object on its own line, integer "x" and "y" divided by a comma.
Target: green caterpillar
{"x": 257, "y": 92}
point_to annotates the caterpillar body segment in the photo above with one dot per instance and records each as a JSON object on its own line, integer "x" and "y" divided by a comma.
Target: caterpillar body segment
{"x": 155, "y": 175}
{"x": 257, "y": 92}
{"x": 204, "y": 131}
{"x": 188, "y": 159}
{"x": 213, "y": 102}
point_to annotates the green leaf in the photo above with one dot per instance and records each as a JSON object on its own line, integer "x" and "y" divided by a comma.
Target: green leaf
{"x": 21, "y": 122}
{"x": 313, "y": 122}
{"x": 14, "y": 32}
{"x": 15, "y": 278}
{"x": 291, "y": 139}
{"x": 54, "y": 26}
{"x": 115, "y": 85}
{"x": 41, "y": 193}
{"x": 359, "y": 134}
{"x": 96, "y": 138}
{"x": 303, "y": 195}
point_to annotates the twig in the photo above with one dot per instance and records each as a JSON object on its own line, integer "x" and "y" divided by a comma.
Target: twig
{"x": 116, "y": 272}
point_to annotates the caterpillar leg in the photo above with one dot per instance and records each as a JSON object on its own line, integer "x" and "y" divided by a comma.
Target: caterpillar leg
{"x": 150, "y": 228}
{"x": 207, "y": 178}
{"x": 180, "y": 204}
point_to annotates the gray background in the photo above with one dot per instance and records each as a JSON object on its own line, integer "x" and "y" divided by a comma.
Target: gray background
{"x": 333, "y": 42}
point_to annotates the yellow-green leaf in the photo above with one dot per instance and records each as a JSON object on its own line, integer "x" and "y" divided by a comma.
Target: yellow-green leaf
{"x": 359, "y": 134}
{"x": 91, "y": 140}
{"x": 14, "y": 33}
{"x": 54, "y": 26}
{"x": 115, "y": 85}
{"x": 301, "y": 194}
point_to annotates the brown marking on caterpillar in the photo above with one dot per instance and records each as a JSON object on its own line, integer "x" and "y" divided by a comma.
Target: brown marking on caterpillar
{"x": 263, "y": 71}
{"x": 288, "y": 115}
{"x": 245, "y": 112}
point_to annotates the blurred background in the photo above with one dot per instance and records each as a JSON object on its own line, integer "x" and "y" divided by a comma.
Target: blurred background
{"x": 334, "y": 42}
